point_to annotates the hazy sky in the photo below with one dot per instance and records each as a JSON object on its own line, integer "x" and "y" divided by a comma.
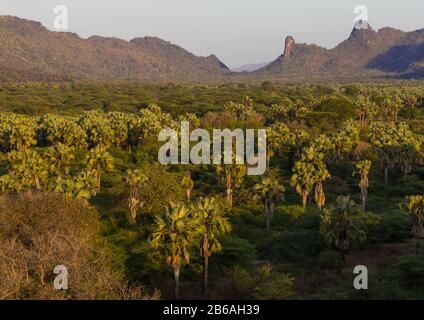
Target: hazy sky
{"x": 237, "y": 31}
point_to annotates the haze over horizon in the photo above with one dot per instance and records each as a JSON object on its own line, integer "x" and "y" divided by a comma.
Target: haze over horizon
{"x": 238, "y": 32}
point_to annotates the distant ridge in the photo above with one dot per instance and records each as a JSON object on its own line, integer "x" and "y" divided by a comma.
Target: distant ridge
{"x": 250, "y": 67}
{"x": 28, "y": 48}
{"x": 30, "y": 52}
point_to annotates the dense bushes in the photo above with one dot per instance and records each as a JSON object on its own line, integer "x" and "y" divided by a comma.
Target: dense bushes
{"x": 236, "y": 251}
{"x": 41, "y": 231}
{"x": 402, "y": 280}
{"x": 298, "y": 245}
{"x": 330, "y": 259}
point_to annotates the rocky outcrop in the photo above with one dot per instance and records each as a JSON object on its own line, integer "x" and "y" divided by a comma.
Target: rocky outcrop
{"x": 289, "y": 45}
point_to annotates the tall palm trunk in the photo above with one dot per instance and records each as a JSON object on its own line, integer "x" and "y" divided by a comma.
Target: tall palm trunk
{"x": 364, "y": 193}
{"x": 386, "y": 175}
{"x": 133, "y": 206}
{"x": 305, "y": 195}
{"x": 99, "y": 181}
{"x": 268, "y": 158}
{"x": 319, "y": 195}
{"x": 268, "y": 223}
{"x": 229, "y": 191}
{"x": 205, "y": 253}
{"x": 268, "y": 214}
{"x": 188, "y": 195}
{"x": 205, "y": 274}
{"x": 418, "y": 232}
{"x": 176, "y": 269}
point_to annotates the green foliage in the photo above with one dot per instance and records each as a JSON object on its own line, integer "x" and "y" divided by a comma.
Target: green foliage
{"x": 330, "y": 259}
{"x": 410, "y": 271}
{"x": 278, "y": 286}
{"x": 291, "y": 212}
{"x": 294, "y": 246}
{"x": 242, "y": 110}
{"x": 235, "y": 251}
{"x": 393, "y": 227}
{"x": 342, "y": 107}
{"x": 161, "y": 188}
{"x": 403, "y": 280}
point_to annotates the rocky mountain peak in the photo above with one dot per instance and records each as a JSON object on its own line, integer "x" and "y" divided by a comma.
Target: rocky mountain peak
{"x": 362, "y": 30}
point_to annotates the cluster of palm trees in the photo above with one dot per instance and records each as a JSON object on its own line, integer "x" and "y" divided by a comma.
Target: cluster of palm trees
{"x": 49, "y": 170}
{"x": 396, "y": 144}
{"x": 182, "y": 226}
{"x": 311, "y": 155}
{"x": 39, "y": 150}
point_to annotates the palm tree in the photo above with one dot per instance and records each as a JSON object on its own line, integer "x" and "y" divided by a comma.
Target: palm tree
{"x": 17, "y": 132}
{"x": 135, "y": 180}
{"x": 269, "y": 191}
{"x": 82, "y": 186}
{"x": 414, "y": 205}
{"x": 343, "y": 221}
{"x": 345, "y": 140}
{"x": 364, "y": 168}
{"x": 365, "y": 109}
{"x": 310, "y": 170}
{"x": 173, "y": 234}
{"x": 242, "y": 110}
{"x": 321, "y": 175}
{"x": 211, "y": 215}
{"x": 188, "y": 184}
{"x": 27, "y": 170}
{"x": 279, "y": 138}
{"x": 232, "y": 175}
{"x": 98, "y": 128}
{"x": 388, "y": 140}
{"x": 98, "y": 160}
{"x": 303, "y": 180}
{"x": 60, "y": 157}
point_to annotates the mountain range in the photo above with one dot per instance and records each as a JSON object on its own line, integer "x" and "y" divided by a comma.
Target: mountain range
{"x": 366, "y": 54}
{"x": 29, "y": 51}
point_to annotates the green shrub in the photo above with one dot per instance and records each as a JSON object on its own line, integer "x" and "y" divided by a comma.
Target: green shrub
{"x": 286, "y": 215}
{"x": 235, "y": 251}
{"x": 404, "y": 280}
{"x": 293, "y": 245}
{"x": 410, "y": 271}
{"x": 393, "y": 227}
{"x": 330, "y": 259}
{"x": 278, "y": 286}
